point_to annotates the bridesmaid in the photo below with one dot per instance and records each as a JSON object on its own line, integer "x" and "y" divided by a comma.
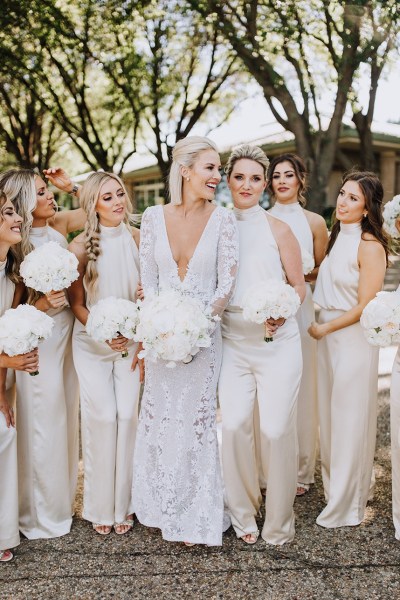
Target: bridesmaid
{"x": 47, "y": 405}
{"x": 349, "y": 277}
{"x": 10, "y": 235}
{"x": 109, "y": 266}
{"x": 286, "y": 185}
{"x": 253, "y": 370}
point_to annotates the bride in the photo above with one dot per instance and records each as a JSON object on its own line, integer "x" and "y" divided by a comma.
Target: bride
{"x": 189, "y": 245}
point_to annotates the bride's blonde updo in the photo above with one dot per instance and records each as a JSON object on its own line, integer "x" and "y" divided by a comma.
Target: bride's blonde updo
{"x": 89, "y": 196}
{"x": 184, "y": 154}
{"x": 251, "y": 153}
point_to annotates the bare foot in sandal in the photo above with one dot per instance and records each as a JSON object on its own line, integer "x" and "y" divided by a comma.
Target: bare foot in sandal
{"x": 125, "y": 526}
{"x": 250, "y": 538}
{"x": 101, "y": 529}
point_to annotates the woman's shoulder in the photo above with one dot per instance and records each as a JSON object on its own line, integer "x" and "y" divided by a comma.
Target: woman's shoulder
{"x": 277, "y": 224}
{"x": 314, "y": 219}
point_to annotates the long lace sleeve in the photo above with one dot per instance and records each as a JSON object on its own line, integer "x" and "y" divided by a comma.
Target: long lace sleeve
{"x": 227, "y": 263}
{"x": 148, "y": 265}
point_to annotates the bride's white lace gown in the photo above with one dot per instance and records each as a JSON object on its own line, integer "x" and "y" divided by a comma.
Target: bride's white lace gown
{"x": 177, "y": 484}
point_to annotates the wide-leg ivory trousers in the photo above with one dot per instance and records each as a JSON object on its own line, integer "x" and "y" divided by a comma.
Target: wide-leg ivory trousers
{"x": 271, "y": 372}
{"x": 347, "y": 397}
{"x": 43, "y": 463}
{"x": 307, "y": 404}
{"x": 9, "y": 527}
{"x": 109, "y": 412}
{"x": 71, "y": 390}
{"x": 395, "y": 442}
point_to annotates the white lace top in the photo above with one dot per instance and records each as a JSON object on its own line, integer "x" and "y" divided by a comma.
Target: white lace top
{"x": 212, "y": 269}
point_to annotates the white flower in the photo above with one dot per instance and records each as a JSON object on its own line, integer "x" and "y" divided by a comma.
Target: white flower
{"x": 307, "y": 260}
{"x": 380, "y": 319}
{"x": 173, "y": 327}
{"x": 271, "y": 299}
{"x": 49, "y": 267}
{"x": 390, "y": 213}
{"x": 22, "y": 328}
{"x": 112, "y": 316}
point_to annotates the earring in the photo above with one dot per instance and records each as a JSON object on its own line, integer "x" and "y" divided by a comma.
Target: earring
{"x": 365, "y": 215}
{"x": 187, "y": 178}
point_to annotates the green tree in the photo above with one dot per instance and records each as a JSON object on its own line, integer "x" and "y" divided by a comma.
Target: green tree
{"x": 306, "y": 55}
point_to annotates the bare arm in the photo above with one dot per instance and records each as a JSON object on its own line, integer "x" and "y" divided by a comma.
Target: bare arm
{"x": 289, "y": 250}
{"x": 65, "y": 221}
{"x": 76, "y": 291}
{"x": 320, "y": 241}
{"x": 372, "y": 263}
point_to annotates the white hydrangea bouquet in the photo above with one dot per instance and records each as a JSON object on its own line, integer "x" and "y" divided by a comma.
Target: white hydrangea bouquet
{"x": 111, "y": 317}
{"x": 270, "y": 299}
{"x": 307, "y": 260}
{"x": 391, "y": 212}
{"x": 49, "y": 268}
{"x": 22, "y": 328}
{"x": 380, "y": 319}
{"x": 173, "y": 327}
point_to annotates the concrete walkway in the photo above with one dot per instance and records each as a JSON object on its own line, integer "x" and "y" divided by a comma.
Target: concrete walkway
{"x": 360, "y": 563}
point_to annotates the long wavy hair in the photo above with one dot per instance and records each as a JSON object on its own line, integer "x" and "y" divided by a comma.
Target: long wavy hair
{"x": 372, "y": 223}
{"x": 251, "y": 153}
{"x": 298, "y": 167}
{"x": 19, "y": 186}
{"x": 88, "y": 200}
{"x": 12, "y": 263}
{"x": 184, "y": 154}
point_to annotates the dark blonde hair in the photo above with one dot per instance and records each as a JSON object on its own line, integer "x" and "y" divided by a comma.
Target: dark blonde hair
{"x": 13, "y": 254}
{"x": 372, "y": 223}
{"x": 298, "y": 167}
{"x": 89, "y": 196}
{"x": 251, "y": 153}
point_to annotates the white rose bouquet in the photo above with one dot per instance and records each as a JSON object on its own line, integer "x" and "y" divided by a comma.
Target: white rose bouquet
{"x": 173, "y": 327}
{"x": 22, "y": 328}
{"x": 391, "y": 212}
{"x": 380, "y": 319}
{"x": 271, "y": 299}
{"x": 49, "y": 268}
{"x": 307, "y": 260}
{"x": 111, "y": 317}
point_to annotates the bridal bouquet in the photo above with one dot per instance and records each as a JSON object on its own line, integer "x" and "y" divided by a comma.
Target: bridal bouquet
{"x": 307, "y": 260}
{"x": 49, "y": 268}
{"x": 111, "y": 317}
{"x": 22, "y": 328}
{"x": 271, "y": 299}
{"x": 391, "y": 212}
{"x": 173, "y": 327}
{"x": 380, "y": 319}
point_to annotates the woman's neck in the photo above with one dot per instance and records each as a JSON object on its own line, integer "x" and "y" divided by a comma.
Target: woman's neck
{"x": 38, "y": 222}
{"x": 4, "y": 248}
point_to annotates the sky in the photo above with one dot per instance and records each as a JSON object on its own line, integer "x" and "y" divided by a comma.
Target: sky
{"x": 253, "y": 119}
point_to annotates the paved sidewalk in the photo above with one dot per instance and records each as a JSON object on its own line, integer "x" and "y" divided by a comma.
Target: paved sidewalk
{"x": 350, "y": 563}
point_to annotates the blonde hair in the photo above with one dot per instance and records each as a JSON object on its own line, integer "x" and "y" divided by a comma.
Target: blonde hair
{"x": 19, "y": 186}
{"x": 12, "y": 263}
{"x": 88, "y": 200}
{"x": 184, "y": 154}
{"x": 251, "y": 153}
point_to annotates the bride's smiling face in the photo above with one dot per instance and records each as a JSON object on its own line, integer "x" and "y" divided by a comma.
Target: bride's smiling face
{"x": 111, "y": 203}
{"x": 201, "y": 180}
